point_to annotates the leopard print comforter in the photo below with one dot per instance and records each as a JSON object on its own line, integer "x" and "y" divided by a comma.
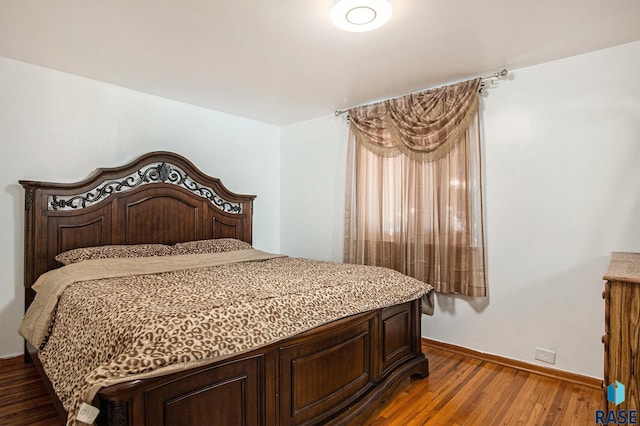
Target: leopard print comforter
{"x": 112, "y": 330}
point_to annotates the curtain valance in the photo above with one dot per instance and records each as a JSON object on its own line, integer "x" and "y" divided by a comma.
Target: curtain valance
{"x": 424, "y": 126}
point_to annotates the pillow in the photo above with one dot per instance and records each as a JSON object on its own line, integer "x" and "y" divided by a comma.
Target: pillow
{"x": 217, "y": 245}
{"x": 107, "y": 252}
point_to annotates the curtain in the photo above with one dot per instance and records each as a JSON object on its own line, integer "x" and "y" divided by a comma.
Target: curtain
{"x": 414, "y": 196}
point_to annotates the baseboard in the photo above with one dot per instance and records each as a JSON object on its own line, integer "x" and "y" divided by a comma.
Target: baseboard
{"x": 566, "y": 376}
{"x": 10, "y": 356}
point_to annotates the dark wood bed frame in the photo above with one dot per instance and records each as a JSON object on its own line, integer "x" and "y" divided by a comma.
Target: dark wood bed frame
{"x": 334, "y": 374}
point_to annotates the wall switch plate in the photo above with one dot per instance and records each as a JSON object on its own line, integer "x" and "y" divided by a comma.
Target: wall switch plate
{"x": 545, "y": 355}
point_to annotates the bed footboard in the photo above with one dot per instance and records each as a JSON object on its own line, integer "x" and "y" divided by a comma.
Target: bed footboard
{"x": 337, "y": 373}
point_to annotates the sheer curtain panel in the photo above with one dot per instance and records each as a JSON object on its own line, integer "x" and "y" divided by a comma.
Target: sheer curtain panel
{"x": 414, "y": 196}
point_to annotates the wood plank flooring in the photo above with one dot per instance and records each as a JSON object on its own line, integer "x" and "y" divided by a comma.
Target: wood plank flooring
{"x": 23, "y": 397}
{"x": 467, "y": 391}
{"x": 459, "y": 391}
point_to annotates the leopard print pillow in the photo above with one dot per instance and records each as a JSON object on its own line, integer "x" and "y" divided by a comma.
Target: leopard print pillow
{"x": 112, "y": 251}
{"x": 217, "y": 245}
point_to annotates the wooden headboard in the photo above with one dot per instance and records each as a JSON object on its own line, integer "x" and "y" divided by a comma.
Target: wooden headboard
{"x": 161, "y": 197}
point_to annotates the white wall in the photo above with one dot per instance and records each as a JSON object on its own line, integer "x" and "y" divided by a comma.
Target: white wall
{"x": 312, "y": 175}
{"x": 562, "y": 187}
{"x": 562, "y": 190}
{"x": 59, "y": 127}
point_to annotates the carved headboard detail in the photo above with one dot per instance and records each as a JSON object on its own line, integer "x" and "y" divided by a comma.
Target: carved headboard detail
{"x": 161, "y": 197}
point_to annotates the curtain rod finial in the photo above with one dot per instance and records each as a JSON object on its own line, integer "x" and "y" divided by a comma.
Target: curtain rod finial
{"x": 345, "y": 115}
{"x": 488, "y": 82}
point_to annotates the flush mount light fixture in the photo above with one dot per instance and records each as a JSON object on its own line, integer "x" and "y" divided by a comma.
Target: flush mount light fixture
{"x": 360, "y": 15}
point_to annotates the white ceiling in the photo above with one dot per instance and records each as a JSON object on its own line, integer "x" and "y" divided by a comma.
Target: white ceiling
{"x": 282, "y": 61}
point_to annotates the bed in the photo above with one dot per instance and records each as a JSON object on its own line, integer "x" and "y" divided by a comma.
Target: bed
{"x": 333, "y": 373}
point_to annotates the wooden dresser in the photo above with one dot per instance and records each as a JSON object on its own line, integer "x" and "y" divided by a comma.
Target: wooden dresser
{"x": 622, "y": 327}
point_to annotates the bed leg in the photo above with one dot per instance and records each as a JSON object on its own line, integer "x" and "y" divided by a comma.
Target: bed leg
{"x": 422, "y": 371}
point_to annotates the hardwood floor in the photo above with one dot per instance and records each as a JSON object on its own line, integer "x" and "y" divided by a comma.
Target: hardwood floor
{"x": 467, "y": 391}
{"x": 23, "y": 398}
{"x": 459, "y": 391}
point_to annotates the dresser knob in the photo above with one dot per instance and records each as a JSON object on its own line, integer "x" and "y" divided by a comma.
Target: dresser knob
{"x": 604, "y": 339}
{"x": 604, "y": 294}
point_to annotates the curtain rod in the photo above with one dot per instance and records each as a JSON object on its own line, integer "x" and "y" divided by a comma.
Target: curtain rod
{"x": 483, "y": 88}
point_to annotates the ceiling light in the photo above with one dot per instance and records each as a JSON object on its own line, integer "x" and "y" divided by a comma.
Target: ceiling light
{"x": 360, "y": 15}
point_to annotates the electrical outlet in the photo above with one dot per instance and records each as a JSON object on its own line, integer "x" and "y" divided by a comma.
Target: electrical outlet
{"x": 545, "y": 355}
